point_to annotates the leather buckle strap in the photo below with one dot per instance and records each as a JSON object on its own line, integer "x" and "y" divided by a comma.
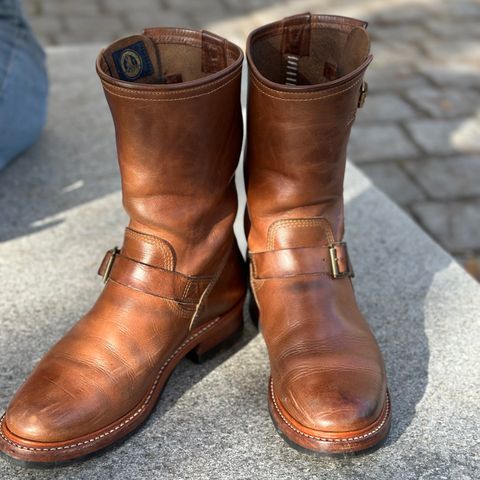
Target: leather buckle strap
{"x": 332, "y": 259}
{"x": 150, "y": 279}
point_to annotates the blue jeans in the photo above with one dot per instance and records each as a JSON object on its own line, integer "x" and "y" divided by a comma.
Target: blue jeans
{"x": 23, "y": 83}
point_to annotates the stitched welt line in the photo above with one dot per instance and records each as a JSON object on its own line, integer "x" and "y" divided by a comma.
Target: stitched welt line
{"x": 351, "y": 439}
{"x": 129, "y": 419}
{"x": 260, "y": 87}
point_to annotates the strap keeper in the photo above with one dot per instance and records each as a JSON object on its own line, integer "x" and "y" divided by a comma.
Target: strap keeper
{"x": 363, "y": 94}
{"x": 107, "y": 263}
{"x": 340, "y": 261}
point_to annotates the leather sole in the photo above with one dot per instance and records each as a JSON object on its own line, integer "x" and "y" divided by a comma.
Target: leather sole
{"x": 207, "y": 338}
{"x": 328, "y": 443}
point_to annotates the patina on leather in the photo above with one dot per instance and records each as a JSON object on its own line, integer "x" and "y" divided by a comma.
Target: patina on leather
{"x": 177, "y": 284}
{"x": 328, "y": 389}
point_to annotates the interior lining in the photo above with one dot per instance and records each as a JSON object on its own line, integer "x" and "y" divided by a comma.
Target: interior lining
{"x": 332, "y": 54}
{"x": 174, "y": 57}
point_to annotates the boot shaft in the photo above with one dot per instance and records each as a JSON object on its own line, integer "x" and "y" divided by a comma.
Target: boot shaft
{"x": 174, "y": 95}
{"x": 305, "y": 84}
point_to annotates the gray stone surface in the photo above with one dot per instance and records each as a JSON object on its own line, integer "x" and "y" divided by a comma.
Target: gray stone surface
{"x": 61, "y": 209}
{"x": 385, "y": 107}
{"x": 446, "y": 102}
{"x": 386, "y": 142}
{"x": 437, "y": 176}
{"x": 454, "y": 223}
{"x": 390, "y": 178}
{"x": 436, "y": 137}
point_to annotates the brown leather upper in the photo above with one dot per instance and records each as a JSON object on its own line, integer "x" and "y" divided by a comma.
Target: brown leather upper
{"x": 305, "y": 84}
{"x": 178, "y": 128}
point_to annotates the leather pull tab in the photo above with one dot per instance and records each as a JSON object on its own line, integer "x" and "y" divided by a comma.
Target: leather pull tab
{"x": 214, "y": 53}
{"x": 296, "y": 35}
{"x": 355, "y": 51}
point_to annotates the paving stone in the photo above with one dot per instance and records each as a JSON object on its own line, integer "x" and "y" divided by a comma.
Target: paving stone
{"x": 446, "y": 137}
{"x": 453, "y": 224}
{"x": 462, "y": 10}
{"x": 466, "y": 138}
{"x": 447, "y": 178}
{"x": 128, "y": 6}
{"x": 403, "y": 13}
{"x": 69, "y": 7}
{"x": 384, "y": 107}
{"x": 388, "y": 142}
{"x": 31, "y": 7}
{"x": 453, "y": 29}
{"x": 396, "y": 53}
{"x": 81, "y": 28}
{"x": 398, "y": 33}
{"x": 141, "y": 19}
{"x": 445, "y": 102}
{"x": 393, "y": 78}
{"x": 465, "y": 50}
{"x": 451, "y": 73}
{"x": 390, "y": 178}
{"x": 48, "y": 28}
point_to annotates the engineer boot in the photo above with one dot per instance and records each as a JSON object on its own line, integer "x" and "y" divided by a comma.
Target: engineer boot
{"x": 328, "y": 390}
{"x": 176, "y": 286}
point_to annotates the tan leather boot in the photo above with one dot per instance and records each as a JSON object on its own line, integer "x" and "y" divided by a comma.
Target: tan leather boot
{"x": 177, "y": 284}
{"x": 328, "y": 390}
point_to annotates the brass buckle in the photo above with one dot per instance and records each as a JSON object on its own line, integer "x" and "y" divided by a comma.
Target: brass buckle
{"x": 363, "y": 94}
{"x": 336, "y": 273}
{"x": 114, "y": 252}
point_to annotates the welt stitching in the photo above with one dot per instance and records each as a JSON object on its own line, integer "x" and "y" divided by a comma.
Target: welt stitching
{"x": 351, "y": 439}
{"x": 129, "y": 419}
{"x": 260, "y": 87}
{"x": 192, "y": 89}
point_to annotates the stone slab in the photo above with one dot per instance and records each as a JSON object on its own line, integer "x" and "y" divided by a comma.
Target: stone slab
{"x": 60, "y": 209}
{"x": 379, "y": 142}
{"x": 439, "y": 176}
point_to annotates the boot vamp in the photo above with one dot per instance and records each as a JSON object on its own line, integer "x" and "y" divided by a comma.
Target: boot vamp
{"x": 327, "y": 370}
{"x": 102, "y": 369}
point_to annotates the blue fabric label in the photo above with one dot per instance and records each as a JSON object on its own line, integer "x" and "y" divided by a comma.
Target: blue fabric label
{"x": 132, "y": 62}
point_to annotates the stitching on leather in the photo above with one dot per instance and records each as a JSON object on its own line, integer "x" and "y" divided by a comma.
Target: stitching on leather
{"x": 109, "y": 88}
{"x": 209, "y": 288}
{"x": 186, "y": 289}
{"x": 296, "y": 223}
{"x": 180, "y": 309}
{"x": 165, "y": 251}
{"x": 260, "y": 87}
{"x": 350, "y": 439}
{"x": 129, "y": 419}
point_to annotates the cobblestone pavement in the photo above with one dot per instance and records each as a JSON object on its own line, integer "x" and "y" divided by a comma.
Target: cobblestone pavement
{"x": 418, "y": 136}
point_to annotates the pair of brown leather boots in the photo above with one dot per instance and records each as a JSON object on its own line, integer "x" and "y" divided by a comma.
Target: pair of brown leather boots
{"x": 177, "y": 286}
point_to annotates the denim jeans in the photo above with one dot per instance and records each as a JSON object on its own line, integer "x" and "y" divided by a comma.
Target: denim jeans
{"x": 23, "y": 83}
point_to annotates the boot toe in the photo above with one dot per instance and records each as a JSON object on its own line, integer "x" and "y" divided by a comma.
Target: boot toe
{"x": 44, "y": 417}
{"x": 341, "y": 405}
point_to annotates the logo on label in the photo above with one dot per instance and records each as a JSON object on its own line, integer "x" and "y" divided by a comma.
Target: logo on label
{"x": 131, "y": 64}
